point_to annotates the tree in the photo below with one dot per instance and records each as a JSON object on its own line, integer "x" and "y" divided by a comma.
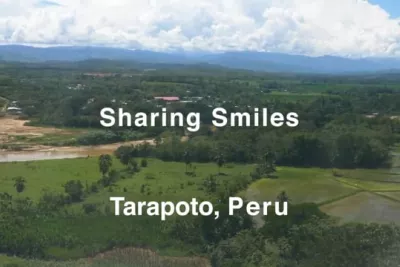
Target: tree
{"x": 105, "y": 163}
{"x": 74, "y": 190}
{"x": 210, "y": 184}
{"x": 110, "y": 179}
{"x": 282, "y": 197}
{"x": 269, "y": 163}
{"x": 157, "y": 141}
{"x": 124, "y": 154}
{"x": 133, "y": 166}
{"x": 143, "y": 163}
{"x": 220, "y": 161}
{"x": 187, "y": 159}
{"x": 19, "y": 184}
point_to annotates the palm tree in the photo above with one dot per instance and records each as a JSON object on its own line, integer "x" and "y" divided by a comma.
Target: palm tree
{"x": 220, "y": 160}
{"x": 19, "y": 184}
{"x": 105, "y": 163}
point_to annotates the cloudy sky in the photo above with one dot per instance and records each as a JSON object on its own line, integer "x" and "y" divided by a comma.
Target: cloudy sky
{"x": 312, "y": 27}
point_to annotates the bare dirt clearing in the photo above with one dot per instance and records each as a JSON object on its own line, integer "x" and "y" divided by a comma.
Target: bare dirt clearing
{"x": 11, "y": 126}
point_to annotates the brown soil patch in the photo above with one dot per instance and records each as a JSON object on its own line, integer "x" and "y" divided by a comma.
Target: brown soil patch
{"x": 11, "y": 126}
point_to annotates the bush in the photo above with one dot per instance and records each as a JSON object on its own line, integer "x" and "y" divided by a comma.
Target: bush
{"x": 74, "y": 190}
{"x": 94, "y": 188}
{"x": 150, "y": 176}
{"x": 143, "y": 163}
{"x": 89, "y": 208}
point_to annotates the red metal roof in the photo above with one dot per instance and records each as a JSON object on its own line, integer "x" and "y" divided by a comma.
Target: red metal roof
{"x": 168, "y": 98}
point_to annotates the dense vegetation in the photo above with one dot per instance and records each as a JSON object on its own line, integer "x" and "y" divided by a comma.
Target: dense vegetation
{"x": 345, "y": 122}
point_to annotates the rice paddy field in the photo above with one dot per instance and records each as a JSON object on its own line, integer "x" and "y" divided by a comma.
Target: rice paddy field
{"x": 351, "y": 195}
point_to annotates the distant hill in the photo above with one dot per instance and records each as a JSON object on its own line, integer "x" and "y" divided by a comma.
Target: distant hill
{"x": 256, "y": 61}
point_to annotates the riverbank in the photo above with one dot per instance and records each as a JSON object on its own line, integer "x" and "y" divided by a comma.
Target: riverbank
{"x": 38, "y": 152}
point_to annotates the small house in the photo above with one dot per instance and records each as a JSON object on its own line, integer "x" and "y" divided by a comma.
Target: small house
{"x": 14, "y": 110}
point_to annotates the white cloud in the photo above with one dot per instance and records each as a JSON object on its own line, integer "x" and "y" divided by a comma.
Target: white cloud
{"x": 313, "y": 27}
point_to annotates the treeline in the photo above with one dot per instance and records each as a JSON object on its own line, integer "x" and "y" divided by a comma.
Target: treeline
{"x": 303, "y": 149}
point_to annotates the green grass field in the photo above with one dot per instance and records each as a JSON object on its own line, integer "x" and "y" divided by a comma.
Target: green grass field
{"x": 166, "y": 177}
{"x": 48, "y": 175}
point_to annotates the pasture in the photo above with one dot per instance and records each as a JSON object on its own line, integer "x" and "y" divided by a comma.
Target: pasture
{"x": 163, "y": 180}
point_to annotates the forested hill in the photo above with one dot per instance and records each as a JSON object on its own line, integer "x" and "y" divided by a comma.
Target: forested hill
{"x": 271, "y": 62}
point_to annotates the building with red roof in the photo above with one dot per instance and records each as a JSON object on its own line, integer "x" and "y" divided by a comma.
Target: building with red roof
{"x": 167, "y": 98}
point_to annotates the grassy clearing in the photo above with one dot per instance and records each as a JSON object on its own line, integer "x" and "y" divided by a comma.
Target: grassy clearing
{"x": 168, "y": 181}
{"x": 48, "y": 174}
{"x": 169, "y": 178}
{"x": 5, "y": 260}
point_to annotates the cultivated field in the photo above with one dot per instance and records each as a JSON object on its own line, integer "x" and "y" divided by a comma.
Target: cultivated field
{"x": 365, "y": 207}
{"x": 352, "y": 195}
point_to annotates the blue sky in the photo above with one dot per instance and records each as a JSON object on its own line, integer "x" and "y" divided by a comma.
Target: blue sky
{"x": 350, "y": 28}
{"x": 391, "y": 6}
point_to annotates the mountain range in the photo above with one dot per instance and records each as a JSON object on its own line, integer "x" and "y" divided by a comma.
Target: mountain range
{"x": 255, "y": 61}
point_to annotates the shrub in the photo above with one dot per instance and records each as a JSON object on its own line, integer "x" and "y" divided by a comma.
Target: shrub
{"x": 143, "y": 163}
{"x": 89, "y": 208}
